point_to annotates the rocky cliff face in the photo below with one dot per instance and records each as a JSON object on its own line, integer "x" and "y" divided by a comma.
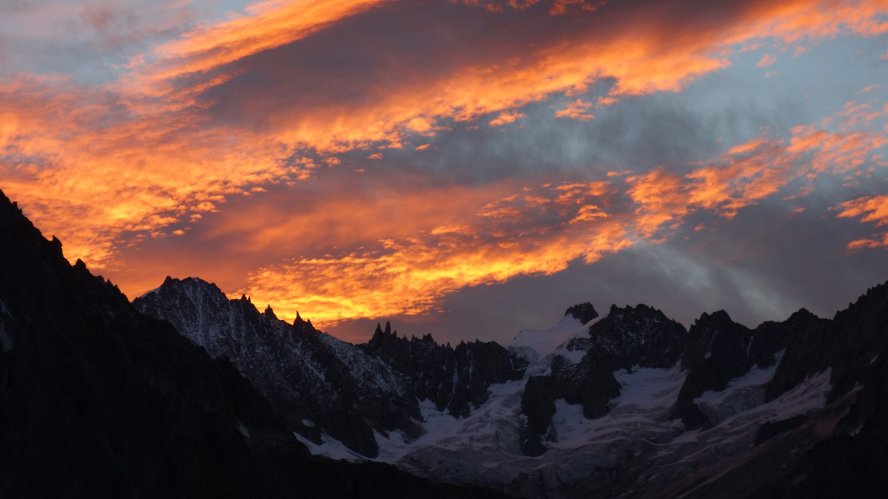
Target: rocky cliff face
{"x": 455, "y": 379}
{"x": 99, "y": 400}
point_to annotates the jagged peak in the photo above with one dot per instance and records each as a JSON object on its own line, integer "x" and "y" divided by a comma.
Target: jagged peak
{"x": 640, "y": 308}
{"x": 173, "y": 283}
{"x": 873, "y": 296}
{"x": 427, "y": 338}
{"x": 301, "y": 325}
{"x": 803, "y": 314}
{"x": 584, "y": 312}
{"x": 717, "y": 317}
{"x": 638, "y": 312}
{"x": 269, "y": 312}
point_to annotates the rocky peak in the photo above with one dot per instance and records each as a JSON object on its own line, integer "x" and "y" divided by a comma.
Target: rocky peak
{"x": 302, "y": 326}
{"x": 635, "y": 336}
{"x": 584, "y": 312}
{"x": 269, "y": 313}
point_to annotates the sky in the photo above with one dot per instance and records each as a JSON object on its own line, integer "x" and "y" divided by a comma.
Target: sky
{"x": 466, "y": 168}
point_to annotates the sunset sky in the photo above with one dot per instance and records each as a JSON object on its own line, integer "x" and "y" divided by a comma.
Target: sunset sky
{"x": 467, "y": 168}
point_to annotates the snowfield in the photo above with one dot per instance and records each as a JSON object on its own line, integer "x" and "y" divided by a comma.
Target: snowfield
{"x": 483, "y": 448}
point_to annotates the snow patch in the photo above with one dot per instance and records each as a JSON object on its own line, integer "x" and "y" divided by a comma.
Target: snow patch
{"x": 243, "y": 429}
{"x": 806, "y": 397}
{"x": 649, "y": 388}
{"x": 538, "y": 345}
{"x": 741, "y": 394}
{"x": 330, "y": 448}
{"x": 756, "y": 377}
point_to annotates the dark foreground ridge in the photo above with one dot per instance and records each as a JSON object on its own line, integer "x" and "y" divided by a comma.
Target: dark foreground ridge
{"x": 98, "y": 400}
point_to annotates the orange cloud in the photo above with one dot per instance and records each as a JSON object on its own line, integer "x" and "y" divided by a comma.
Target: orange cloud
{"x": 660, "y": 197}
{"x": 749, "y": 172}
{"x": 869, "y": 209}
{"x": 505, "y": 118}
{"x": 88, "y": 184}
{"x": 744, "y": 175}
{"x": 766, "y": 60}
{"x": 265, "y": 25}
{"x": 402, "y": 252}
{"x": 491, "y": 77}
{"x": 576, "y": 110}
{"x": 872, "y": 209}
{"x": 860, "y": 244}
{"x": 538, "y": 232}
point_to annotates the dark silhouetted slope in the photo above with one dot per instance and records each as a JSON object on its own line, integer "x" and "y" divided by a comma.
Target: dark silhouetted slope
{"x": 98, "y": 400}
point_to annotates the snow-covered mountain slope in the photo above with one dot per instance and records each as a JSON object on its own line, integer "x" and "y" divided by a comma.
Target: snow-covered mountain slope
{"x": 636, "y": 436}
{"x": 630, "y": 404}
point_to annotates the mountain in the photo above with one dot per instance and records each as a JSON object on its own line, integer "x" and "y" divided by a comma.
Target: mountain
{"x": 628, "y": 404}
{"x": 323, "y": 386}
{"x": 99, "y": 400}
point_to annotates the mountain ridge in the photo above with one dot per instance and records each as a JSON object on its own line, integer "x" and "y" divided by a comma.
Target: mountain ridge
{"x": 596, "y": 372}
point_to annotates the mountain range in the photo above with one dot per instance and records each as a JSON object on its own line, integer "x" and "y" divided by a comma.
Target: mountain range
{"x": 185, "y": 392}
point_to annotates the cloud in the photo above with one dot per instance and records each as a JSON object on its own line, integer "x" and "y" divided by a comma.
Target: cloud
{"x": 576, "y": 110}
{"x": 529, "y": 232}
{"x": 505, "y": 118}
{"x": 872, "y": 209}
{"x": 661, "y": 199}
{"x": 766, "y": 60}
{"x": 271, "y": 97}
{"x": 470, "y": 65}
{"x": 88, "y": 170}
{"x": 541, "y": 230}
{"x": 868, "y": 209}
